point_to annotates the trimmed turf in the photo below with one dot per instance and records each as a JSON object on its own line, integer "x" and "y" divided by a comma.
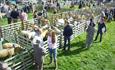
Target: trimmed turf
{"x": 101, "y": 56}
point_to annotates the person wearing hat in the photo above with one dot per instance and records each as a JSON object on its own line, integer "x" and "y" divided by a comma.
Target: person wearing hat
{"x": 39, "y": 50}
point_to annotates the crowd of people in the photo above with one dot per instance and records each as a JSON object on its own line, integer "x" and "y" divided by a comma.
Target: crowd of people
{"x": 107, "y": 15}
{"x": 13, "y": 14}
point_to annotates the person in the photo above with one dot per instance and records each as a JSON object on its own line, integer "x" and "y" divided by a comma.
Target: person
{"x": 90, "y": 33}
{"x": 45, "y": 13}
{"x": 23, "y": 17}
{"x": 109, "y": 18}
{"x": 35, "y": 16}
{"x": 4, "y": 66}
{"x": 80, "y": 4}
{"x": 72, "y": 4}
{"x": 14, "y": 15}
{"x": 67, "y": 34}
{"x": 52, "y": 46}
{"x": 46, "y": 22}
{"x": 101, "y": 28}
{"x": 39, "y": 50}
{"x": 8, "y": 16}
{"x": 58, "y": 6}
{"x": 114, "y": 14}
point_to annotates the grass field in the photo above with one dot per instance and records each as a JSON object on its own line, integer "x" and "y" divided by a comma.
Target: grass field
{"x": 101, "y": 56}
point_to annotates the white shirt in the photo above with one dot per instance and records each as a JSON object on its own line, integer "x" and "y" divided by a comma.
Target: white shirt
{"x": 37, "y": 39}
{"x": 50, "y": 44}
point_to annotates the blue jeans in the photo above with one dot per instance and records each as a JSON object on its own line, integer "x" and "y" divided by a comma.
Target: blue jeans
{"x": 53, "y": 52}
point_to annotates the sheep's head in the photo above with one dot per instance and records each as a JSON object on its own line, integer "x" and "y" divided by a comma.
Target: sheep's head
{"x": 18, "y": 49}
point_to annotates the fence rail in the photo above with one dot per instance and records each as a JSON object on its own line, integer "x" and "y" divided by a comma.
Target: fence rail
{"x": 24, "y": 60}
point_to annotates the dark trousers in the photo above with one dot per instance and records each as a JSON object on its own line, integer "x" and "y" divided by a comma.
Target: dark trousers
{"x": 114, "y": 17}
{"x": 66, "y": 39}
{"x": 99, "y": 32}
{"x": 14, "y": 20}
{"x": 9, "y": 20}
{"x": 38, "y": 57}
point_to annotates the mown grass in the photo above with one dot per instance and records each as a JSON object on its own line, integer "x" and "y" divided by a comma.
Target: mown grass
{"x": 100, "y": 56}
{"x": 3, "y": 21}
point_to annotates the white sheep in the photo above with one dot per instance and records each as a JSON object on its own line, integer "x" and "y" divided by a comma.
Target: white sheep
{"x": 10, "y": 45}
{"x": 9, "y": 52}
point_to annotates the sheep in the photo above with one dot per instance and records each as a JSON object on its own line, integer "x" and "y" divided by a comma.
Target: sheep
{"x": 29, "y": 34}
{"x": 9, "y": 52}
{"x": 10, "y": 49}
{"x": 4, "y": 53}
{"x": 10, "y": 45}
{"x": 14, "y": 51}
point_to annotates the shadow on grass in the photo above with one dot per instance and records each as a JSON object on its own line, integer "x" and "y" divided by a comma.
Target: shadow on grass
{"x": 78, "y": 44}
{"x": 80, "y": 47}
{"x": 44, "y": 68}
{"x": 49, "y": 68}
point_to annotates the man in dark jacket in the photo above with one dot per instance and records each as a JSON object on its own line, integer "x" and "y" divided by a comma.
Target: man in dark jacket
{"x": 67, "y": 34}
{"x": 14, "y": 15}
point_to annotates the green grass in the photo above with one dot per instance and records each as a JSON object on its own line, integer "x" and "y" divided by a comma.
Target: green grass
{"x": 50, "y": 13}
{"x": 3, "y": 21}
{"x": 101, "y": 56}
